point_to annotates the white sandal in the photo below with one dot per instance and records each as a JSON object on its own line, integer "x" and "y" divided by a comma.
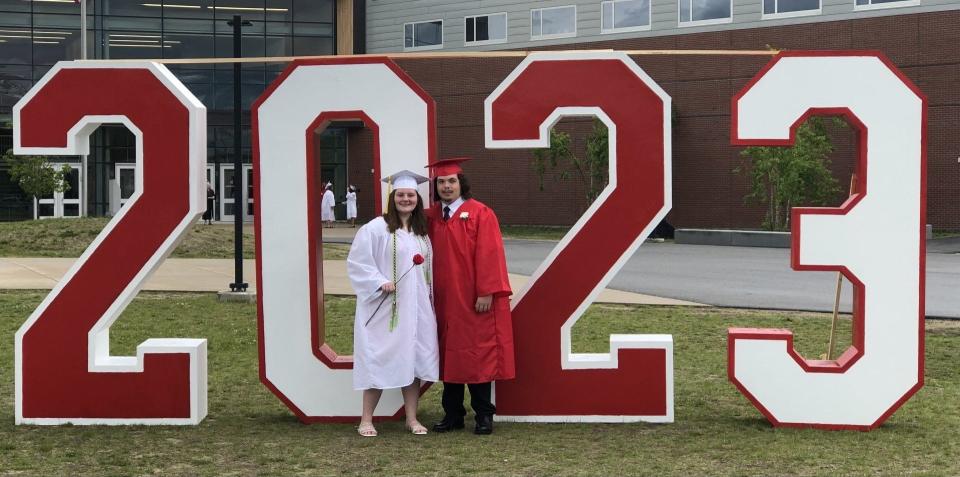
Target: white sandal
{"x": 367, "y": 430}
{"x": 417, "y": 429}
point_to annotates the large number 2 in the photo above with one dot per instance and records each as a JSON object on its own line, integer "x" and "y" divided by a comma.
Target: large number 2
{"x": 295, "y": 363}
{"x": 634, "y": 381}
{"x": 875, "y": 239}
{"x": 64, "y": 371}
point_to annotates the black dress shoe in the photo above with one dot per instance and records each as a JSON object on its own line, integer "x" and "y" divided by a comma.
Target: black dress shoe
{"x": 448, "y": 424}
{"x": 484, "y": 425}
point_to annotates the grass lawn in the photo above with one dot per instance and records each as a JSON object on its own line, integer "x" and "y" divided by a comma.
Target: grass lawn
{"x": 717, "y": 431}
{"x": 69, "y": 238}
{"x": 533, "y": 232}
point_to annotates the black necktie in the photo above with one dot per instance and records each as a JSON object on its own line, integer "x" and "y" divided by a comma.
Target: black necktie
{"x": 446, "y": 212}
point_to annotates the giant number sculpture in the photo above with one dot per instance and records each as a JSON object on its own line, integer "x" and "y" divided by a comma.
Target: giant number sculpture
{"x": 876, "y": 239}
{"x": 64, "y": 371}
{"x": 295, "y": 363}
{"x": 634, "y": 381}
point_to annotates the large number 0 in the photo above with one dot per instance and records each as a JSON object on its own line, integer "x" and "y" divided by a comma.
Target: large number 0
{"x": 295, "y": 363}
{"x": 875, "y": 239}
{"x": 634, "y": 381}
{"x": 64, "y": 371}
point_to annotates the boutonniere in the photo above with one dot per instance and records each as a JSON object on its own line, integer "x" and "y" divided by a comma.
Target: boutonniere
{"x": 464, "y": 215}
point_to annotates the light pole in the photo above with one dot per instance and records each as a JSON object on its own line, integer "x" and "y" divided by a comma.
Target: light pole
{"x": 238, "y": 284}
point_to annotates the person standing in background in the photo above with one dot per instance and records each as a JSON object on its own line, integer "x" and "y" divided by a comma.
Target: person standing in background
{"x": 326, "y": 206}
{"x": 352, "y": 205}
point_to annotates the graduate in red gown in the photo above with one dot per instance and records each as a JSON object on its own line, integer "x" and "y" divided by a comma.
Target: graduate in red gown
{"x": 471, "y": 297}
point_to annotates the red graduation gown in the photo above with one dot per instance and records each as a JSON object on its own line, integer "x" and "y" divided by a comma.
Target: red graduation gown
{"x": 469, "y": 263}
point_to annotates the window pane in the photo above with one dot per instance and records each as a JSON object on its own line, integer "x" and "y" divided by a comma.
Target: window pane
{"x": 710, "y": 9}
{"x": 427, "y": 34}
{"x": 483, "y": 30}
{"x": 313, "y": 10}
{"x": 408, "y": 35}
{"x": 15, "y": 19}
{"x": 797, "y": 5}
{"x": 313, "y": 46}
{"x": 199, "y": 9}
{"x": 535, "y": 23}
{"x": 497, "y": 26}
{"x": 247, "y": 9}
{"x": 769, "y": 6}
{"x": 468, "y": 27}
{"x": 685, "y": 10}
{"x": 558, "y": 21}
{"x": 606, "y": 21}
{"x": 631, "y": 13}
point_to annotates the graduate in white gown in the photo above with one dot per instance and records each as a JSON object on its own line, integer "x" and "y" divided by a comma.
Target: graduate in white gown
{"x": 395, "y": 330}
{"x": 326, "y": 206}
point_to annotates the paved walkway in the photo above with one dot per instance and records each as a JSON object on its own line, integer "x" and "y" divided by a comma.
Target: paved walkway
{"x": 194, "y": 274}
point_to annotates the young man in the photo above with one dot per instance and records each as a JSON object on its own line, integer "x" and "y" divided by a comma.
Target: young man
{"x": 471, "y": 298}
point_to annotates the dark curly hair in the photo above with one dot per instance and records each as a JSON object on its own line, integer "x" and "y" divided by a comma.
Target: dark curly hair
{"x": 464, "y": 187}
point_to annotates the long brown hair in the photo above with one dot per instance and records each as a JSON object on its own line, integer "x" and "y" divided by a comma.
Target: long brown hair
{"x": 418, "y": 220}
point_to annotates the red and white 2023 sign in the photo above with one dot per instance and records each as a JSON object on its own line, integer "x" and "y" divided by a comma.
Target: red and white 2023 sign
{"x": 65, "y": 373}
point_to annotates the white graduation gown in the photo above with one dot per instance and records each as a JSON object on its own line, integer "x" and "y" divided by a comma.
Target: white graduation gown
{"x": 384, "y": 359}
{"x": 351, "y": 205}
{"x": 326, "y": 206}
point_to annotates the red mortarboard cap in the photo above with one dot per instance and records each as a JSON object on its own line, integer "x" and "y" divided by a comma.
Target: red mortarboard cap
{"x": 446, "y": 167}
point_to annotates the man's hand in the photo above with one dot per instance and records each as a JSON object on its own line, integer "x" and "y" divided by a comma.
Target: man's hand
{"x": 483, "y": 303}
{"x": 388, "y": 287}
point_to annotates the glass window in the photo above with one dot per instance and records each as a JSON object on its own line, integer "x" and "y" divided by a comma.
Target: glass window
{"x": 485, "y": 29}
{"x": 885, "y": 3}
{"x": 625, "y": 15}
{"x": 556, "y": 22}
{"x": 775, "y": 7}
{"x": 423, "y": 35}
{"x": 252, "y": 10}
{"x": 186, "y": 45}
{"x": 51, "y": 46}
{"x": 705, "y": 12}
{"x": 312, "y": 46}
{"x": 313, "y": 11}
{"x": 15, "y": 20}
{"x": 279, "y": 10}
{"x": 278, "y": 46}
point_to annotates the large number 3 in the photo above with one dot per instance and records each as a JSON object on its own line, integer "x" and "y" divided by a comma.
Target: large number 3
{"x": 634, "y": 381}
{"x": 875, "y": 239}
{"x": 295, "y": 363}
{"x": 64, "y": 371}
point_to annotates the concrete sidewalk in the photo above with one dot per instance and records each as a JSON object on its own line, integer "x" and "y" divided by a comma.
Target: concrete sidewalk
{"x": 212, "y": 275}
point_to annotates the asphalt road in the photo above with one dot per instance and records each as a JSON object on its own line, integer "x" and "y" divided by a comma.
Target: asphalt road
{"x": 748, "y": 277}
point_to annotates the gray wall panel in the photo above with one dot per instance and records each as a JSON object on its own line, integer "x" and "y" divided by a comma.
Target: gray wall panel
{"x": 385, "y": 19}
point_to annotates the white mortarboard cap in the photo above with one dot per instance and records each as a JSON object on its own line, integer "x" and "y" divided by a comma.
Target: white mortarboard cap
{"x": 405, "y": 179}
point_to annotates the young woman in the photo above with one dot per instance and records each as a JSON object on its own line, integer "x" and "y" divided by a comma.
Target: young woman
{"x": 352, "y": 205}
{"x": 395, "y": 329}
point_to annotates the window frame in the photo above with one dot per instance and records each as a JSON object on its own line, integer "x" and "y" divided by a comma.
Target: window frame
{"x": 403, "y": 36}
{"x": 881, "y": 6}
{"x": 696, "y": 23}
{"x": 798, "y": 13}
{"x": 506, "y": 29}
{"x": 556, "y": 35}
{"x": 613, "y": 29}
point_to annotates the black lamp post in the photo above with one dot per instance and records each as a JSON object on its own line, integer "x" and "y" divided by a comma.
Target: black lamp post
{"x": 238, "y": 284}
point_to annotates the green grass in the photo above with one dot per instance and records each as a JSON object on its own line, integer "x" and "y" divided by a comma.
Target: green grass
{"x": 533, "y": 232}
{"x": 717, "y": 432}
{"x": 69, "y": 238}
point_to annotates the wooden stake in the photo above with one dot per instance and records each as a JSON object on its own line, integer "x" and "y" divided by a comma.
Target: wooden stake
{"x": 442, "y": 54}
{"x": 836, "y": 301}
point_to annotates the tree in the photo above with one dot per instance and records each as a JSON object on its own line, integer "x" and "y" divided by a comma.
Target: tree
{"x": 35, "y": 175}
{"x": 560, "y": 158}
{"x": 786, "y": 177}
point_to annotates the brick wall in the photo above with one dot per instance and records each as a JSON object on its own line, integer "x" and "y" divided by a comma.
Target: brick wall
{"x": 707, "y": 193}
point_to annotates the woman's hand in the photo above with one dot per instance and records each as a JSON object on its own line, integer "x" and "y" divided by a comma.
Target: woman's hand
{"x": 388, "y": 287}
{"x": 483, "y": 303}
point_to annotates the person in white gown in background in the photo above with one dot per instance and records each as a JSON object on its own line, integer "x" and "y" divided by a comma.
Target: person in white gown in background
{"x": 352, "y": 205}
{"x": 395, "y": 330}
{"x": 326, "y": 206}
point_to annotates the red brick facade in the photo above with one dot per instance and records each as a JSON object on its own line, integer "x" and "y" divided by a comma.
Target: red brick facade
{"x": 707, "y": 193}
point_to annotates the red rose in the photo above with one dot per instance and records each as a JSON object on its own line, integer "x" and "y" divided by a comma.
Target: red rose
{"x": 417, "y": 259}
